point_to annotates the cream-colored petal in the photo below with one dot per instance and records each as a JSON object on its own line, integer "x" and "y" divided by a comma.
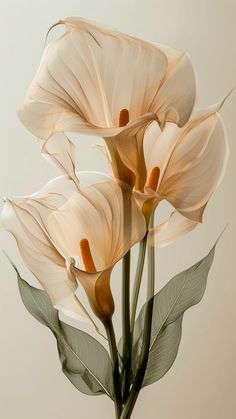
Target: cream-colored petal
{"x": 97, "y": 213}
{"x": 98, "y": 290}
{"x": 49, "y": 225}
{"x": 188, "y": 142}
{"x": 175, "y": 99}
{"x": 61, "y": 152}
{"x": 196, "y": 166}
{"x": 87, "y": 76}
{"x": 92, "y": 72}
{"x": 117, "y": 168}
{"x": 191, "y": 159}
{"x": 129, "y": 146}
{"x": 82, "y": 215}
{"x": 159, "y": 145}
{"x": 147, "y": 200}
{"x": 43, "y": 259}
{"x": 170, "y": 230}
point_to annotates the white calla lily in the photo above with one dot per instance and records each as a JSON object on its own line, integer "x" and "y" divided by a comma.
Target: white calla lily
{"x": 53, "y": 226}
{"x": 96, "y": 80}
{"x": 191, "y": 163}
{"x": 92, "y": 72}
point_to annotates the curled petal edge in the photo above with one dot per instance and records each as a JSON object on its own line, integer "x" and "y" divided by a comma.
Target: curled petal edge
{"x": 167, "y": 232}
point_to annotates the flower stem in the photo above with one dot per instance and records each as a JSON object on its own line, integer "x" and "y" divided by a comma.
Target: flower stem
{"x": 127, "y": 342}
{"x": 138, "y": 380}
{"x": 115, "y": 365}
{"x": 151, "y": 264}
{"x": 138, "y": 279}
{"x": 126, "y": 336}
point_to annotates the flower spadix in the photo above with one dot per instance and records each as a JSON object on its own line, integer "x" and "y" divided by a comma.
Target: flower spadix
{"x": 96, "y": 80}
{"x": 184, "y": 166}
{"x": 68, "y": 235}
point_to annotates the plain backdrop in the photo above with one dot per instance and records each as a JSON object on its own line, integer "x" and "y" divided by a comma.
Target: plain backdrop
{"x": 201, "y": 384}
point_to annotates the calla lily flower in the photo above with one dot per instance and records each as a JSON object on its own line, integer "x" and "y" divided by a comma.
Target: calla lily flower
{"x": 96, "y": 80}
{"x": 68, "y": 235}
{"x": 185, "y": 166}
{"x": 92, "y": 72}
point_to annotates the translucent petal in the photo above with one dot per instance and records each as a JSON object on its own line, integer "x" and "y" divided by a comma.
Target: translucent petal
{"x": 197, "y": 165}
{"x": 87, "y": 76}
{"x": 61, "y": 152}
{"x": 159, "y": 145}
{"x": 49, "y": 225}
{"x": 129, "y": 147}
{"x": 91, "y": 73}
{"x": 175, "y": 99}
{"x": 43, "y": 259}
{"x": 98, "y": 211}
{"x": 170, "y": 230}
{"x": 191, "y": 159}
{"x": 98, "y": 290}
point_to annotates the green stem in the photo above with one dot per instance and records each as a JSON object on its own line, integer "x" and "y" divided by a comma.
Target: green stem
{"x": 115, "y": 365}
{"x": 138, "y": 380}
{"x": 126, "y": 295}
{"x": 151, "y": 264}
{"x": 127, "y": 343}
{"x": 138, "y": 279}
{"x": 126, "y": 352}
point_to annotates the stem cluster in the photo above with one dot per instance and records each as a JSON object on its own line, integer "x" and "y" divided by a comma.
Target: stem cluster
{"x": 127, "y": 386}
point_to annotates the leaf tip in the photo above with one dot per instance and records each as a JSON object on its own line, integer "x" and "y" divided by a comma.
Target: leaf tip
{"x": 11, "y": 262}
{"x": 221, "y": 234}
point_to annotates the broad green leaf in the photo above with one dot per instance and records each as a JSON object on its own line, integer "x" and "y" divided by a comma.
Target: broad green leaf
{"x": 84, "y": 360}
{"x": 164, "y": 352}
{"x": 182, "y": 292}
{"x": 95, "y": 366}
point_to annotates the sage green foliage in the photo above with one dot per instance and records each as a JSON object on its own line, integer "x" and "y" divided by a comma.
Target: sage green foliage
{"x": 182, "y": 292}
{"x": 85, "y": 362}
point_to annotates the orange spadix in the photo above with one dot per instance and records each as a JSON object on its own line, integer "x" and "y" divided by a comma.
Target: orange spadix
{"x": 87, "y": 256}
{"x": 124, "y": 117}
{"x": 153, "y": 178}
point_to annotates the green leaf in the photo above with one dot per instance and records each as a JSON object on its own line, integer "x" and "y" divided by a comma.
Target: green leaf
{"x": 85, "y": 362}
{"x": 182, "y": 292}
{"x": 94, "y": 368}
{"x": 164, "y": 352}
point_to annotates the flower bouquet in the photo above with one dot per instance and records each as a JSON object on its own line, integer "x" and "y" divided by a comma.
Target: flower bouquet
{"x": 138, "y": 97}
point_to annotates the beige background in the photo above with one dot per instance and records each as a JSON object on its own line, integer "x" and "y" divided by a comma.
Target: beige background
{"x": 201, "y": 384}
